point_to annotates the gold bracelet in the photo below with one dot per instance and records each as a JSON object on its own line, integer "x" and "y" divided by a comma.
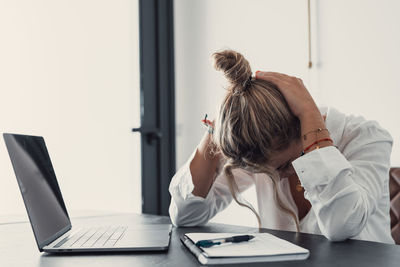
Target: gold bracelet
{"x": 316, "y": 132}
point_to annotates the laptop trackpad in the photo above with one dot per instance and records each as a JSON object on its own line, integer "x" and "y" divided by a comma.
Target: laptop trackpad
{"x": 145, "y": 237}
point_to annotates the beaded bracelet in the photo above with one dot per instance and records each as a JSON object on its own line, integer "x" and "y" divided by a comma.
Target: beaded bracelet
{"x": 315, "y": 143}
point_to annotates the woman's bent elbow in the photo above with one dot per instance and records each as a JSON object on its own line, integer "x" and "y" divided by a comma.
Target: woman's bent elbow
{"x": 341, "y": 232}
{"x": 179, "y": 221}
{"x": 185, "y": 217}
{"x": 336, "y": 237}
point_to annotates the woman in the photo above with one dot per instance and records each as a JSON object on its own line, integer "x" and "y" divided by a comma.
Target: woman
{"x": 315, "y": 171}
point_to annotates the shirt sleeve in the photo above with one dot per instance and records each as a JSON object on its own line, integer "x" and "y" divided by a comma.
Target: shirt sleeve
{"x": 344, "y": 187}
{"x": 187, "y": 209}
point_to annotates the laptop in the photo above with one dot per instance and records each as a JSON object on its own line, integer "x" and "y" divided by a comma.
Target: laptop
{"x": 48, "y": 214}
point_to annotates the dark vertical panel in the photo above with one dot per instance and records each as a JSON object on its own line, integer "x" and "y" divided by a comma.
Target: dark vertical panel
{"x": 167, "y": 99}
{"x": 157, "y": 103}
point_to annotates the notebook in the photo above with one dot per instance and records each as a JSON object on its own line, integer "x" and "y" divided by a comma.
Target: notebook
{"x": 264, "y": 247}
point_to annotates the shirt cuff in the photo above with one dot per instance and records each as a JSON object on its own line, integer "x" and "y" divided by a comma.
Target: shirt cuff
{"x": 320, "y": 166}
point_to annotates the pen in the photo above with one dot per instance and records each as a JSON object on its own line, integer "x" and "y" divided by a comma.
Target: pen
{"x": 208, "y": 124}
{"x": 219, "y": 241}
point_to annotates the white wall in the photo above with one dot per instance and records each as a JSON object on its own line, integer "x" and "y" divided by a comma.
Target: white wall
{"x": 359, "y": 60}
{"x": 355, "y": 54}
{"x": 69, "y": 71}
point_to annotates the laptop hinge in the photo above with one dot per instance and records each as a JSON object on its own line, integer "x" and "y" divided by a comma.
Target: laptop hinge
{"x": 54, "y": 237}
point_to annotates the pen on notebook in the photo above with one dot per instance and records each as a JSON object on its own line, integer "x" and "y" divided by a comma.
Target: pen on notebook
{"x": 219, "y": 241}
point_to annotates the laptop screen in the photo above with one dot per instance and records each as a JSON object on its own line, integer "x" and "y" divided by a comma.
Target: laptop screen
{"x": 38, "y": 184}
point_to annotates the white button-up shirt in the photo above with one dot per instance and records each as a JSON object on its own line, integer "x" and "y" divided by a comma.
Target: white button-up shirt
{"x": 347, "y": 186}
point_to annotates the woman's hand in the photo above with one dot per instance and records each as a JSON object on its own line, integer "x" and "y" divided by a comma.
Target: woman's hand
{"x": 302, "y": 105}
{"x": 296, "y": 94}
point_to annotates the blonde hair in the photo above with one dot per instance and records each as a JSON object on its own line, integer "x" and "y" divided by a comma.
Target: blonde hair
{"x": 253, "y": 124}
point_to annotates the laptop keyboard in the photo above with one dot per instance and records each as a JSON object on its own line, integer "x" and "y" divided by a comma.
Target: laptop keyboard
{"x": 105, "y": 236}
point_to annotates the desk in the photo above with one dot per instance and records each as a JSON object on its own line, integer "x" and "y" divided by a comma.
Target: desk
{"x": 21, "y": 250}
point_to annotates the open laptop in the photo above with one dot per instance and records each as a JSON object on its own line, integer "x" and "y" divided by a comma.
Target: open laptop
{"x": 48, "y": 214}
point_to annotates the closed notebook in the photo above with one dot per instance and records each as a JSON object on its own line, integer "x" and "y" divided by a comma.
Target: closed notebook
{"x": 263, "y": 248}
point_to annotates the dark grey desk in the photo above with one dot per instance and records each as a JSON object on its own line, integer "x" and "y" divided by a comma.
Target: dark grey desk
{"x": 18, "y": 248}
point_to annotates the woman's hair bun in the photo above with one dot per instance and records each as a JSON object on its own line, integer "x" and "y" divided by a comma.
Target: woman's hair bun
{"x": 235, "y": 67}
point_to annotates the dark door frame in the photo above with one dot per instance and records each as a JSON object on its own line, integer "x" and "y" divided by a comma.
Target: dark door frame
{"x": 157, "y": 103}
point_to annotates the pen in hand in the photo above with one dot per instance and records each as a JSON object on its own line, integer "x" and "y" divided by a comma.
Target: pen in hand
{"x": 219, "y": 241}
{"x": 208, "y": 124}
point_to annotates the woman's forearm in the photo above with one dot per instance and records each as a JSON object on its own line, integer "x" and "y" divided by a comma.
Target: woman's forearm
{"x": 311, "y": 121}
{"x": 203, "y": 166}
